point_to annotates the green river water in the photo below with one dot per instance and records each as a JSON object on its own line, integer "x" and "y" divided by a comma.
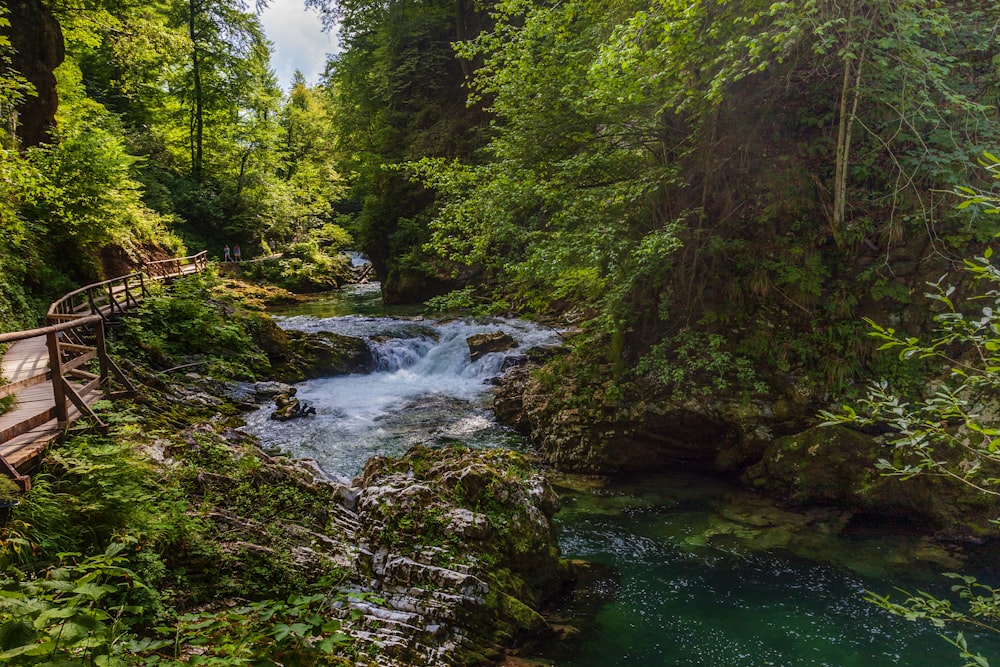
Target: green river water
{"x": 698, "y": 571}
{"x": 684, "y": 588}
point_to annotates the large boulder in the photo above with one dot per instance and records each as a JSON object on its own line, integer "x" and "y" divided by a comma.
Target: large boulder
{"x": 606, "y": 434}
{"x": 37, "y": 50}
{"x": 332, "y": 354}
{"x": 821, "y": 464}
{"x": 834, "y": 465}
{"x": 297, "y": 355}
{"x": 459, "y": 548}
{"x": 770, "y": 442}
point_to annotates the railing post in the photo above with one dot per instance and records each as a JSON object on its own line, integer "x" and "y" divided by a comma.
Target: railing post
{"x": 55, "y": 365}
{"x": 94, "y": 310}
{"x": 102, "y": 357}
{"x": 112, "y": 302}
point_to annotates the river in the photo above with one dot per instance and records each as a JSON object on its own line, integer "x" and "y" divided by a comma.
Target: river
{"x": 684, "y": 584}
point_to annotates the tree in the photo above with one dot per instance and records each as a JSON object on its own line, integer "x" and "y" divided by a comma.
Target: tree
{"x": 90, "y": 198}
{"x": 309, "y": 182}
{"x": 716, "y": 165}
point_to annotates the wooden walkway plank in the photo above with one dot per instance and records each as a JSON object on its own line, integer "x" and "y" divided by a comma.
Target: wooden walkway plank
{"x": 25, "y": 359}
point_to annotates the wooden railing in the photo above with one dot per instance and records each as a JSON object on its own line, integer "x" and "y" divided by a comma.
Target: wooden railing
{"x": 178, "y": 266}
{"x": 72, "y": 346}
{"x": 109, "y": 298}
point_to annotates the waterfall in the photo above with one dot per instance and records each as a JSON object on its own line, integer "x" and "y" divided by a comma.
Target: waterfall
{"x": 425, "y": 389}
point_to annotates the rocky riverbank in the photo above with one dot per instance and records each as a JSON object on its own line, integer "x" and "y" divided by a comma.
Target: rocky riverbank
{"x": 444, "y": 556}
{"x": 774, "y": 446}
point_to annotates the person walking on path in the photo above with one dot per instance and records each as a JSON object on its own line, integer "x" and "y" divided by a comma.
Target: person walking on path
{"x": 236, "y": 253}
{"x": 225, "y": 254}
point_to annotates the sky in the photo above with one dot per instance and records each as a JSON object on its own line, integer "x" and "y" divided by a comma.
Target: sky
{"x": 299, "y": 42}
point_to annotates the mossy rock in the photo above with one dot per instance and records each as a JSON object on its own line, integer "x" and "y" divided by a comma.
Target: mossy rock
{"x": 834, "y": 465}
{"x": 821, "y": 464}
{"x": 297, "y": 356}
{"x": 469, "y": 526}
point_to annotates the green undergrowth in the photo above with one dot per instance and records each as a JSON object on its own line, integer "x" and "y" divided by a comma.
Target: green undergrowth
{"x": 304, "y": 267}
{"x": 7, "y": 402}
{"x": 172, "y": 539}
{"x": 197, "y": 325}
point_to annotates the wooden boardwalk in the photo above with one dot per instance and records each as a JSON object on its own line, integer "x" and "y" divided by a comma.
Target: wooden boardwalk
{"x": 56, "y": 373}
{"x": 25, "y": 360}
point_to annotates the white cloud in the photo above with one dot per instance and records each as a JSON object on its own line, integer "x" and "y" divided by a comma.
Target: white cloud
{"x": 299, "y": 41}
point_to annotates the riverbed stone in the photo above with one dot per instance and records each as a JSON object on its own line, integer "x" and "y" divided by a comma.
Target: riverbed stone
{"x": 485, "y": 343}
{"x": 835, "y": 465}
{"x": 606, "y": 435}
{"x": 296, "y": 356}
{"x": 771, "y": 443}
{"x": 266, "y": 391}
{"x": 821, "y": 464}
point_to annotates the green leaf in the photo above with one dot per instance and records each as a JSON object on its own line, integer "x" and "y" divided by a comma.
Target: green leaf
{"x": 43, "y": 618}
{"x": 94, "y": 591}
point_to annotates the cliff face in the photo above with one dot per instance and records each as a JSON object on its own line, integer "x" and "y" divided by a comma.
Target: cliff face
{"x": 37, "y": 42}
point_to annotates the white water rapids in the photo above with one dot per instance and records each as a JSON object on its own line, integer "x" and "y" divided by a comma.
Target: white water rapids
{"x": 424, "y": 390}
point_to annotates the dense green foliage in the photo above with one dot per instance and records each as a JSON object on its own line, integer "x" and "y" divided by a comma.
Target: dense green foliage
{"x": 171, "y": 130}
{"x": 744, "y": 170}
{"x": 671, "y": 163}
{"x": 398, "y": 94}
{"x": 713, "y": 191}
{"x": 949, "y": 429}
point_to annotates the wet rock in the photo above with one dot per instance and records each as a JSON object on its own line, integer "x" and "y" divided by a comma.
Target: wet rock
{"x": 607, "y": 435}
{"x": 485, "y": 343}
{"x": 310, "y": 355}
{"x": 612, "y": 432}
{"x": 459, "y": 547}
{"x": 270, "y": 390}
{"x": 821, "y": 464}
{"x": 513, "y": 361}
{"x": 241, "y": 394}
{"x": 289, "y": 407}
{"x": 759, "y": 523}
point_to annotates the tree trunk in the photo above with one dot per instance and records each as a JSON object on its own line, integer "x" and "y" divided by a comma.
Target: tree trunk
{"x": 197, "y": 114}
{"x": 844, "y": 132}
{"x": 460, "y": 34}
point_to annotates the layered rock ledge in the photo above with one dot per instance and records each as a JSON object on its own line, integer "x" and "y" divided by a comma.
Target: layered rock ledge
{"x": 455, "y": 553}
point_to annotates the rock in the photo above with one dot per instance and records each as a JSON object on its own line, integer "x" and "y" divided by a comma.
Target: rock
{"x": 240, "y": 393}
{"x": 834, "y": 465}
{"x": 334, "y": 354}
{"x": 269, "y": 390}
{"x": 459, "y": 546}
{"x": 290, "y": 407}
{"x": 513, "y": 361}
{"x": 614, "y": 433}
{"x": 37, "y": 50}
{"x": 607, "y": 436}
{"x": 485, "y": 343}
{"x": 299, "y": 355}
{"x": 821, "y": 464}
